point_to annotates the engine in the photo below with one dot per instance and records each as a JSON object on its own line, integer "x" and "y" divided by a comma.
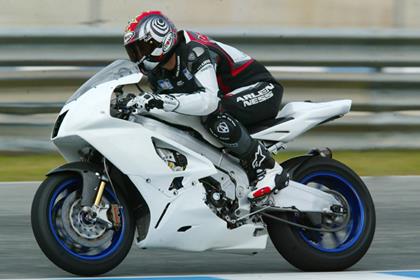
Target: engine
{"x": 219, "y": 202}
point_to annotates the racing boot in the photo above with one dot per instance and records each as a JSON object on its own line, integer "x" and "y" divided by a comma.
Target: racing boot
{"x": 269, "y": 174}
{"x": 272, "y": 179}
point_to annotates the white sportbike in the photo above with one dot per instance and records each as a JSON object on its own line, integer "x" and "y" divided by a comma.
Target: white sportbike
{"x": 162, "y": 180}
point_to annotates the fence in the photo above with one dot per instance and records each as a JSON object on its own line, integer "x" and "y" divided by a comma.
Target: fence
{"x": 41, "y": 69}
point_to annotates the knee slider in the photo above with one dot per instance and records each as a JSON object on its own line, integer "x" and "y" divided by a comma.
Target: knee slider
{"x": 226, "y": 129}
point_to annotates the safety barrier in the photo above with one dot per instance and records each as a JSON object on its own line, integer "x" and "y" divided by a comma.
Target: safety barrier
{"x": 40, "y": 70}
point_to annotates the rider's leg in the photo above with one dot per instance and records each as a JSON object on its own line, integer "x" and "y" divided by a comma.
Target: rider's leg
{"x": 253, "y": 104}
{"x": 248, "y": 106}
{"x": 262, "y": 169}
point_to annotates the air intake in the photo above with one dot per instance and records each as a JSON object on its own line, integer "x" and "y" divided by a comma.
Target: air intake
{"x": 58, "y": 123}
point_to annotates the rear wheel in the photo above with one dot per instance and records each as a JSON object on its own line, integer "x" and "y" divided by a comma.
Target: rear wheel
{"x": 72, "y": 242}
{"x": 311, "y": 250}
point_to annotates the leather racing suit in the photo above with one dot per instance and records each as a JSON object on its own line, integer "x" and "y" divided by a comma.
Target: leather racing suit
{"x": 229, "y": 89}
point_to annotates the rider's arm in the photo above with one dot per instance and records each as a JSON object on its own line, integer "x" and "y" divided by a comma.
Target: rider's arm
{"x": 202, "y": 102}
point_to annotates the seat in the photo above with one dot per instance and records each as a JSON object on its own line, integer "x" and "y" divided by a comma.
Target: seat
{"x": 267, "y": 124}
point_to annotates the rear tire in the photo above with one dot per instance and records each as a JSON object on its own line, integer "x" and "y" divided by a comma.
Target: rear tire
{"x": 304, "y": 253}
{"x": 55, "y": 245}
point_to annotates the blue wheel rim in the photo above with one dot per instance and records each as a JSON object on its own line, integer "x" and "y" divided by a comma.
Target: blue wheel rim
{"x": 356, "y": 224}
{"x": 117, "y": 238}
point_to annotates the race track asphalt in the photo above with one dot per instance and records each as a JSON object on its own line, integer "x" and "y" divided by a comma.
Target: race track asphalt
{"x": 396, "y": 244}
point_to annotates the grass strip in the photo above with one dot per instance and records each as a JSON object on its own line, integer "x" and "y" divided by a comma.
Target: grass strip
{"x": 33, "y": 167}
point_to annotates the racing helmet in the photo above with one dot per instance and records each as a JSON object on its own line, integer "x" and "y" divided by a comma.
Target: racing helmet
{"x": 150, "y": 40}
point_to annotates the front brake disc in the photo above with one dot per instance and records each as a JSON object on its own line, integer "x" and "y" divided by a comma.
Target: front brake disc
{"x": 88, "y": 235}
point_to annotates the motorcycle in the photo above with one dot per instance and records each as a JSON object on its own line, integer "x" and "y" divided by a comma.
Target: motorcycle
{"x": 160, "y": 178}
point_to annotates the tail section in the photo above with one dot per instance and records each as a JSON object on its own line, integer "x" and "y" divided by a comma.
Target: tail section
{"x": 300, "y": 117}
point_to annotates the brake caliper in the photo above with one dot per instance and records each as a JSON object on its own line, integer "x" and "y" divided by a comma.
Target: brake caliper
{"x": 115, "y": 215}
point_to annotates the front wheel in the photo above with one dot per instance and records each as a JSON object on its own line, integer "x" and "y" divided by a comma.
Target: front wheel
{"x": 323, "y": 251}
{"x": 72, "y": 242}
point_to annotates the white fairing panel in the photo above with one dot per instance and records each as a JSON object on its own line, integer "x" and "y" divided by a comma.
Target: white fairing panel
{"x": 203, "y": 229}
{"x": 124, "y": 143}
{"x": 193, "y": 122}
{"x": 302, "y": 117}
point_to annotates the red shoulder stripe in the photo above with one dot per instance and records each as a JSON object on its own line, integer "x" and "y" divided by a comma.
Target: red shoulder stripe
{"x": 238, "y": 70}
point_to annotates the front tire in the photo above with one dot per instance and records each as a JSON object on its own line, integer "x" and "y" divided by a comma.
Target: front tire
{"x": 311, "y": 251}
{"x": 67, "y": 247}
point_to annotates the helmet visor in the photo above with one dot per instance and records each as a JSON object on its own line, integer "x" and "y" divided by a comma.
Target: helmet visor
{"x": 140, "y": 49}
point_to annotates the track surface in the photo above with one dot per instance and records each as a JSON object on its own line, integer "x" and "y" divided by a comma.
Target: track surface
{"x": 396, "y": 244}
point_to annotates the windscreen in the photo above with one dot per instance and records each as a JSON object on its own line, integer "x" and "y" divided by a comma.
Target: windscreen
{"x": 116, "y": 70}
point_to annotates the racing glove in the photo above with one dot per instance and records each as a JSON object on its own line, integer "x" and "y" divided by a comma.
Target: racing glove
{"x": 149, "y": 101}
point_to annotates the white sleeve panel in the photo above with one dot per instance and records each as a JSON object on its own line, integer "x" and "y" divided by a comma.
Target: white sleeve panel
{"x": 204, "y": 102}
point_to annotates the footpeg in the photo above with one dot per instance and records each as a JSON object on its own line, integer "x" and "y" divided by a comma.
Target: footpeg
{"x": 282, "y": 180}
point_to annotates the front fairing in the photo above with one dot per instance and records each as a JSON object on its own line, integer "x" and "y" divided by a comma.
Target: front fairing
{"x": 130, "y": 146}
{"x": 91, "y": 101}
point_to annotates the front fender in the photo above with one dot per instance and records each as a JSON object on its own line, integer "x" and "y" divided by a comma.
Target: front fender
{"x": 90, "y": 174}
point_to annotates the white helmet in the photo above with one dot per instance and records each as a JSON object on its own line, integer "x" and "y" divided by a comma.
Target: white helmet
{"x": 150, "y": 39}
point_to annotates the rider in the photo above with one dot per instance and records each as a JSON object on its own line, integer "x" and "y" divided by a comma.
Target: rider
{"x": 194, "y": 75}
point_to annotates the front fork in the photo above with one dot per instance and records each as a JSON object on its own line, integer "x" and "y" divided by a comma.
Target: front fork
{"x": 103, "y": 181}
{"x": 94, "y": 184}
{"x": 98, "y": 212}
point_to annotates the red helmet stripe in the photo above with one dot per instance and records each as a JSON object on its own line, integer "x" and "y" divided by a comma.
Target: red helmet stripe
{"x": 133, "y": 24}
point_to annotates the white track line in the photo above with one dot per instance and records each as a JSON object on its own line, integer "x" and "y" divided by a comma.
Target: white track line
{"x": 346, "y": 275}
